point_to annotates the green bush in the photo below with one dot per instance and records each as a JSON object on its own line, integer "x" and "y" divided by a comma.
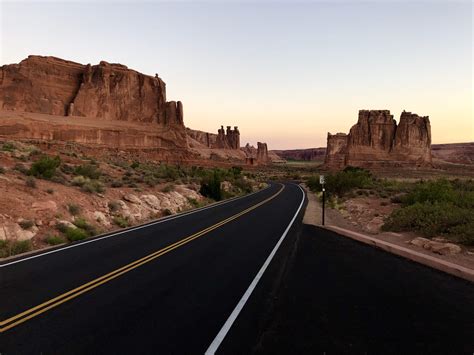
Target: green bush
{"x": 19, "y": 247}
{"x": 81, "y": 223}
{"x": 54, "y": 240}
{"x": 93, "y": 186}
{"x": 433, "y": 219}
{"x": 8, "y": 147}
{"x": 116, "y": 183}
{"x": 45, "y": 167}
{"x": 168, "y": 188}
{"x": 31, "y": 182}
{"x": 74, "y": 209}
{"x": 26, "y": 224}
{"x": 75, "y": 234}
{"x": 120, "y": 221}
{"x": 211, "y": 186}
{"x": 9, "y": 248}
{"x": 114, "y": 206}
{"x": 90, "y": 171}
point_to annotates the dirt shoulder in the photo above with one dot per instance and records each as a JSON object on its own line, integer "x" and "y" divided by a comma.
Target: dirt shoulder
{"x": 349, "y": 221}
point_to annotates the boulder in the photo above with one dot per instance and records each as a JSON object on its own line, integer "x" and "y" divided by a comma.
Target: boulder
{"x": 13, "y": 231}
{"x": 132, "y": 199}
{"x": 419, "y": 241}
{"x": 374, "y": 225}
{"x": 443, "y": 248}
{"x": 152, "y": 201}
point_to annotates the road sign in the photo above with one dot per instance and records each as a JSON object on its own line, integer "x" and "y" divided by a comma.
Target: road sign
{"x": 322, "y": 179}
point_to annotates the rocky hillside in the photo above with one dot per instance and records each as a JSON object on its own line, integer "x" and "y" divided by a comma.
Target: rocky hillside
{"x": 52, "y": 196}
{"x": 309, "y": 154}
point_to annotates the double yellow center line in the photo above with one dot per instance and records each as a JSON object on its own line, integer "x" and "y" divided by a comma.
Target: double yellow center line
{"x": 54, "y": 302}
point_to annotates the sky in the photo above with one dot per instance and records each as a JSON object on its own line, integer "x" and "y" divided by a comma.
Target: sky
{"x": 285, "y": 72}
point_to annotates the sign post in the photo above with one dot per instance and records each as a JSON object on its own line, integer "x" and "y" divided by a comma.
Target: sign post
{"x": 322, "y": 181}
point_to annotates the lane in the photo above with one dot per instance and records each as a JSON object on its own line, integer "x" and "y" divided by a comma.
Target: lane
{"x": 338, "y": 296}
{"x": 76, "y": 266}
{"x": 175, "y": 304}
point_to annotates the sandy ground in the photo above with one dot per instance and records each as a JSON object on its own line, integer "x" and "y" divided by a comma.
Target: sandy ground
{"x": 333, "y": 217}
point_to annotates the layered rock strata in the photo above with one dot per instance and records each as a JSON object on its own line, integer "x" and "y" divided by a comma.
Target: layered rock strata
{"x": 104, "y": 93}
{"x": 376, "y": 140}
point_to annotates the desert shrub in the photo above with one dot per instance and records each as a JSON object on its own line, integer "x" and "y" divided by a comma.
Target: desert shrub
{"x": 54, "y": 240}
{"x": 398, "y": 198}
{"x": 26, "y": 224}
{"x": 31, "y": 182}
{"x": 49, "y": 191}
{"x": 150, "y": 180}
{"x": 116, "y": 183}
{"x": 90, "y": 171}
{"x": 430, "y": 191}
{"x": 75, "y": 234}
{"x": 9, "y": 248}
{"x": 59, "y": 179}
{"x": 74, "y": 209}
{"x": 168, "y": 188}
{"x": 193, "y": 202}
{"x": 21, "y": 168}
{"x": 236, "y": 171}
{"x": 79, "y": 181}
{"x": 120, "y": 221}
{"x": 8, "y": 147}
{"x": 93, "y": 186}
{"x": 432, "y": 219}
{"x": 2, "y": 170}
{"x": 19, "y": 247}
{"x": 45, "y": 167}
{"x": 243, "y": 184}
{"x": 135, "y": 165}
{"x": 114, "y": 206}
{"x": 211, "y": 186}
{"x": 67, "y": 169}
{"x": 81, "y": 223}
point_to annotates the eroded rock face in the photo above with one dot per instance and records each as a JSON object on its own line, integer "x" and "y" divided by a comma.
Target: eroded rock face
{"x": 106, "y": 91}
{"x": 262, "y": 152}
{"x": 376, "y": 140}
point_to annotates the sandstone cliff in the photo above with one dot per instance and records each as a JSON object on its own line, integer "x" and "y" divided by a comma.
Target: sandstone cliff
{"x": 90, "y": 96}
{"x": 105, "y": 91}
{"x": 376, "y": 141}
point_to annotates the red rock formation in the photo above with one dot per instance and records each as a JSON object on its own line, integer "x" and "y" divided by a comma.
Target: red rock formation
{"x": 262, "y": 152}
{"x": 229, "y": 139}
{"x": 336, "y": 150}
{"x": 106, "y": 91}
{"x": 206, "y": 139}
{"x": 98, "y": 93}
{"x": 376, "y": 140}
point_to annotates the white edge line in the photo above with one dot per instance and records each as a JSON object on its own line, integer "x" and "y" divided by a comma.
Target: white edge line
{"x": 235, "y": 313}
{"x": 113, "y": 234}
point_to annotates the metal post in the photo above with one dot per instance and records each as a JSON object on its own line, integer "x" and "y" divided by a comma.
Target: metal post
{"x": 324, "y": 202}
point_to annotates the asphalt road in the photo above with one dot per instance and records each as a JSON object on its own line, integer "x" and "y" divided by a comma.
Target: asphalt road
{"x": 167, "y": 288}
{"x": 328, "y": 294}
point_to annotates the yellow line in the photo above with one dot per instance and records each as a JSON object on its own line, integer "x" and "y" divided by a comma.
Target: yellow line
{"x": 43, "y": 307}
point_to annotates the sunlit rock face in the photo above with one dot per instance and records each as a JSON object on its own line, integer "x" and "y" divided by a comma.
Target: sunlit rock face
{"x": 377, "y": 141}
{"x": 101, "y": 93}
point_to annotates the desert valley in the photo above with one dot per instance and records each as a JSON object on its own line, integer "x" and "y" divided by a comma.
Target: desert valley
{"x": 90, "y": 148}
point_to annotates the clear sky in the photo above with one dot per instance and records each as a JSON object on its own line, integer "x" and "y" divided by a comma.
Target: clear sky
{"x": 285, "y": 72}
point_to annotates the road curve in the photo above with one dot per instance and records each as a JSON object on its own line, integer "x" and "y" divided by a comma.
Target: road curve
{"x": 164, "y": 288}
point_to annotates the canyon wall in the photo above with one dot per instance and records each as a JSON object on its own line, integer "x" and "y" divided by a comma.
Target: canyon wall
{"x": 377, "y": 141}
{"x": 103, "y": 92}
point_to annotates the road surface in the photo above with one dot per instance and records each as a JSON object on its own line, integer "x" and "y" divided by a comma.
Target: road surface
{"x": 218, "y": 279}
{"x": 166, "y": 288}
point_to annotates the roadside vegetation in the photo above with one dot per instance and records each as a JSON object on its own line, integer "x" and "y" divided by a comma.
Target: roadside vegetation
{"x": 433, "y": 208}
